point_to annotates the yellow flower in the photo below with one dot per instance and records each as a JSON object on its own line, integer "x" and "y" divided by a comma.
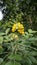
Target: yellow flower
{"x": 18, "y": 24}
{"x": 14, "y": 28}
{"x": 21, "y": 31}
{"x": 19, "y": 27}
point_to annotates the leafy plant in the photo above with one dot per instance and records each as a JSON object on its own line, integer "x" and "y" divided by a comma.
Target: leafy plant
{"x": 17, "y": 49}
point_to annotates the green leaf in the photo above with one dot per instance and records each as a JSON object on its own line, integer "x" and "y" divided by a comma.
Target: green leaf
{"x": 26, "y": 33}
{"x": 3, "y": 63}
{"x": 1, "y": 60}
{"x": 12, "y": 63}
{"x": 7, "y": 31}
{"x": 1, "y": 49}
{"x": 29, "y": 61}
{"x": 7, "y": 38}
{"x": 15, "y": 56}
{"x": 1, "y": 39}
{"x": 33, "y": 53}
{"x": 9, "y": 63}
{"x": 33, "y": 59}
{"x": 1, "y": 33}
{"x": 33, "y": 39}
{"x": 31, "y": 31}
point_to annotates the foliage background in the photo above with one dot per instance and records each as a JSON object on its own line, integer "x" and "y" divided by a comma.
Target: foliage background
{"x": 24, "y": 11}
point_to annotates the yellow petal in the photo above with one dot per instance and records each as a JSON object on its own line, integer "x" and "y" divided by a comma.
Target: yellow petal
{"x": 14, "y": 28}
{"x": 18, "y": 24}
{"x": 23, "y": 33}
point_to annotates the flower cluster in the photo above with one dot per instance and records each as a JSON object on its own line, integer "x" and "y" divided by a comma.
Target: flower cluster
{"x": 19, "y": 27}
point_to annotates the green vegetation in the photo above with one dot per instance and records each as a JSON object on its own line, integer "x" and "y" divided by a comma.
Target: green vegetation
{"x": 15, "y": 48}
